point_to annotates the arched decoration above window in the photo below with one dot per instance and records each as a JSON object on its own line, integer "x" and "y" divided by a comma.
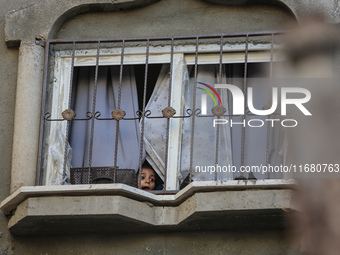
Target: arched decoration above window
{"x": 178, "y": 17}
{"x": 44, "y": 19}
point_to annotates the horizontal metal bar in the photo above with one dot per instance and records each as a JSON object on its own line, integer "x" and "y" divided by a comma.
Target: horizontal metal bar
{"x": 48, "y": 117}
{"x": 183, "y": 37}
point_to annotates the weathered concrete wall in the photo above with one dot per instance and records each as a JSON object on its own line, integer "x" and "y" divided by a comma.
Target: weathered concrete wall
{"x": 158, "y": 18}
{"x": 8, "y": 76}
{"x": 161, "y": 18}
{"x": 236, "y": 243}
{"x": 176, "y": 17}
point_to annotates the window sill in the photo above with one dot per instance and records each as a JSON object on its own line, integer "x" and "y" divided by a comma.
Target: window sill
{"x": 78, "y": 209}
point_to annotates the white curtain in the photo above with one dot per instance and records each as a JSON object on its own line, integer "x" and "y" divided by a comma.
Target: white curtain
{"x": 205, "y": 139}
{"x": 259, "y": 142}
{"x": 155, "y": 129}
{"x": 204, "y": 146}
{"x": 205, "y": 135}
{"x": 105, "y": 130}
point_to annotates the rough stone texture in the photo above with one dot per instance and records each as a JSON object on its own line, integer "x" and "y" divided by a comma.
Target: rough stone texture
{"x": 27, "y": 20}
{"x": 298, "y": 8}
{"x": 26, "y": 192}
{"x": 250, "y": 209}
{"x": 192, "y": 17}
{"x": 204, "y": 242}
{"x": 8, "y": 74}
{"x": 47, "y": 23}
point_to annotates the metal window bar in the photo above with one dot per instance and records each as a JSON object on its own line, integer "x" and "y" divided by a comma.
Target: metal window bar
{"x": 193, "y": 117}
{"x": 69, "y": 106}
{"x": 270, "y": 99}
{"x": 93, "y": 110}
{"x": 169, "y": 105}
{"x": 119, "y": 101}
{"x": 218, "y": 117}
{"x": 193, "y": 113}
{"x": 143, "y": 115}
{"x": 243, "y": 136}
{"x": 39, "y": 174}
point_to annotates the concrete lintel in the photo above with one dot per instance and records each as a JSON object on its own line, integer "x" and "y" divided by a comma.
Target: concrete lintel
{"x": 62, "y": 214}
{"x": 23, "y": 193}
{"x": 46, "y": 22}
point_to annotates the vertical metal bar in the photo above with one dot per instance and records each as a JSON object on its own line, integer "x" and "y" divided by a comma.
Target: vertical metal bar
{"x": 168, "y": 119}
{"x": 246, "y": 96}
{"x": 143, "y": 115}
{"x": 269, "y": 100}
{"x": 38, "y": 180}
{"x": 118, "y": 106}
{"x": 221, "y": 61}
{"x": 193, "y": 116}
{"x": 93, "y": 111}
{"x": 68, "y": 107}
{"x": 218, "y": 117}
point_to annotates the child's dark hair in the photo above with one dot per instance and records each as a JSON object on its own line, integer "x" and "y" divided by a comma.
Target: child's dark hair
{"x": 158, "y": 183}
{"x": 147, "y": 165}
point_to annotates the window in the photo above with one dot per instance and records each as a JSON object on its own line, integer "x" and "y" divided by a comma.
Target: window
{"x": 137, "y": 99}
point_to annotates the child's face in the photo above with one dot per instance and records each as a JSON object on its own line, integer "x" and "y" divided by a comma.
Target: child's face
{"x": 148, "y": 181}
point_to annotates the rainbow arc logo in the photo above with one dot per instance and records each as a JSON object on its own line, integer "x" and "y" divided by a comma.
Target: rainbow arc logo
{"x": 204, "y": 96}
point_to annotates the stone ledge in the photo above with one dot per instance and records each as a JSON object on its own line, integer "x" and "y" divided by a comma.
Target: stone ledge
{"x": 125, "y": 209}
{"x": 157, "y": 198}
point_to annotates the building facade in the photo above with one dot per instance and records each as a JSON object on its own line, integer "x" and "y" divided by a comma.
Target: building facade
{"x": 47, "y": 45}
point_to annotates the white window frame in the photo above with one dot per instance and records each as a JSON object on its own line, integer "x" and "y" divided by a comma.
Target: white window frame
{"x": 157, "y": 55}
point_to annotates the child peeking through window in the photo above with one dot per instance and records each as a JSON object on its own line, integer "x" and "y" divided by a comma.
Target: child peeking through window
{"x": 149, "y": 178}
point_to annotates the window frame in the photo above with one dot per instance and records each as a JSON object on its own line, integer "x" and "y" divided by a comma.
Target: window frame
{"x": 62, "y": 67}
